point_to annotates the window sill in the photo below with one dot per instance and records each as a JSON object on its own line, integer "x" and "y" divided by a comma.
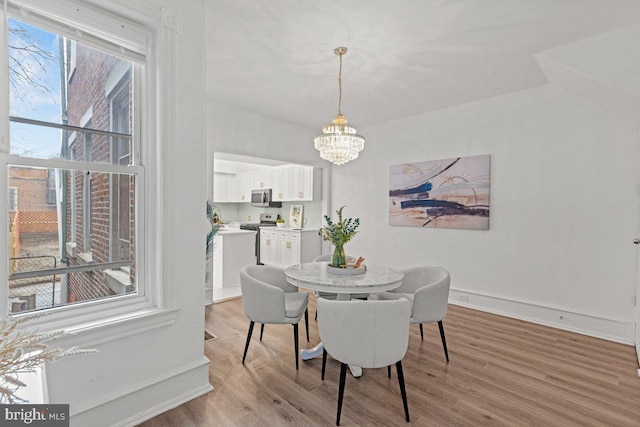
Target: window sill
{"x": 86, "y": 327}
{"x": 111, "y": 329}
{"x": 117, "y": 280}
{"x": 85, "y": 258}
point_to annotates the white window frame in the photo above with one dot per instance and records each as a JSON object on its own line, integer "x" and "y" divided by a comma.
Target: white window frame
{"x": 86, "y": 182}
{"x": 106, "y": 319}
{"x": 72, "y": 58}
{"x": 115, "y": 86}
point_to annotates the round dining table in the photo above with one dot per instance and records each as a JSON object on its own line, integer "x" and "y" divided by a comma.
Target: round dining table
{"x": 317, "y": 277}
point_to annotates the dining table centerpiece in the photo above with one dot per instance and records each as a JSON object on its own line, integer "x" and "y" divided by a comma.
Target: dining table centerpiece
{"x": 339, "y": 233}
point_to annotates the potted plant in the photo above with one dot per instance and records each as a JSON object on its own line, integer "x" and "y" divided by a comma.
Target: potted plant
{"x": 213, "y": 215}
{"x": 339, "y": 233}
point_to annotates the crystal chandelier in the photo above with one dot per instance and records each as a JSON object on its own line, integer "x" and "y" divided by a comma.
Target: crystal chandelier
{"x": 339, "y": 141}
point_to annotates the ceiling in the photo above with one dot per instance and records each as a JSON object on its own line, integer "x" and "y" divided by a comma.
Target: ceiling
{"x": 275, "y": 57}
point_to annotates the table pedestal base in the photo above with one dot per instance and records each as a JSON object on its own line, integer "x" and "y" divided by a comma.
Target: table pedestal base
{"x": 308, "y": 354}
{"x": 311, "y": 353}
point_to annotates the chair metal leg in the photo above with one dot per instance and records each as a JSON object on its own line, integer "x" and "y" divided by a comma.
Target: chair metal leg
{"x": 261, "y": 330}
{"x": 306, "y": 322}
{"x": 324, "y": 361}
{"x": 444, "y": 341}
{"x": 343, "y": 376}
{"x": 403, "y": 392}
{"x": 389, "y": 371}
{"x": 421, "y": 333}
{"x": 246, "y": 346}
{"x": 295, "y": 342}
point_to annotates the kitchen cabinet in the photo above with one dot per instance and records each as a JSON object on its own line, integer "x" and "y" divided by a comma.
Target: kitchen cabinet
{"x": 284, "y": 247}
{"x": 290, "y": 183}
{"x": 243, "y": 187}
{"x": 297, "y": 183}
{"x": 221, "y": 187}
{"x": 289, "y": 248}
{"x": 262, "y": 179}
{"x": 281, "y": 180}
{"x": 269, "y": 247}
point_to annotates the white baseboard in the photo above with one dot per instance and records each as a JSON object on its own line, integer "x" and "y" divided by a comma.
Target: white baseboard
{"x": 136, "y": 403}
{"x": 556, "y": 317}
{"x": 226, "y": 293}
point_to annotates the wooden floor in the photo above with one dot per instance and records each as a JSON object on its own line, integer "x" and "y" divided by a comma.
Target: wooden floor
{"x": 502, "y": 372}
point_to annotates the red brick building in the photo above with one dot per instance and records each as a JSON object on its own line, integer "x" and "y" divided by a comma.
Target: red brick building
{"x": 100, "y": 205}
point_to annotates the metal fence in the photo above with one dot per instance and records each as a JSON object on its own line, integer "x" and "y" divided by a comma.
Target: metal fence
{"x": 33, "y": 293}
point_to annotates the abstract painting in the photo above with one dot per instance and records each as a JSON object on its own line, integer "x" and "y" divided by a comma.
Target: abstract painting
{"x": 449, "y": 193}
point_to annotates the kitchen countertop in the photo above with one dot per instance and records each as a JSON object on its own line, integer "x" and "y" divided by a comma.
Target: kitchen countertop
{"x": 233, "y": 230}
{"x": 292, "y": 229}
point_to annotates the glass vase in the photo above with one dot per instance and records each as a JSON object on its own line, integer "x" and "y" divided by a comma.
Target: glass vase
{"x": 339, "y": 258}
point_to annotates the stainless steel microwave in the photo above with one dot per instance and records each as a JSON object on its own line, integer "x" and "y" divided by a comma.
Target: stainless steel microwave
{"x": 262, "y": 198}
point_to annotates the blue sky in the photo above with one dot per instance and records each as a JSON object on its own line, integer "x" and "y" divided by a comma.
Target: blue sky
{"x": 28, "y": 101}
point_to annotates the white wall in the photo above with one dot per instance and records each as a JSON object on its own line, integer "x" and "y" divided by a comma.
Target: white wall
{"x": 134, "y": 377}
{"x": 564, "y": 208}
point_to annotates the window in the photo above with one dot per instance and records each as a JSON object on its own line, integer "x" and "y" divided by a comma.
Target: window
{"x": 73, "y": 178}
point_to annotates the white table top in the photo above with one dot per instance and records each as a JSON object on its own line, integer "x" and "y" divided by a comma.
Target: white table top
{"x": 314, "y": 276}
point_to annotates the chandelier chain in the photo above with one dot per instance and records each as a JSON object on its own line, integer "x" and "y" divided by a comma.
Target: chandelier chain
{"x": 340, "y": 87}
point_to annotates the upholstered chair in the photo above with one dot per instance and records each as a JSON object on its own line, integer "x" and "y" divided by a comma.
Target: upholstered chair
{"x": 267, "y": 297}
{"x": 369, "y": 334}
{"x": 427, "y": 289}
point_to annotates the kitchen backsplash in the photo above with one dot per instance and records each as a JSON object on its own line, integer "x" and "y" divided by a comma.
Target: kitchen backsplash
{"x": 244, "y": 212}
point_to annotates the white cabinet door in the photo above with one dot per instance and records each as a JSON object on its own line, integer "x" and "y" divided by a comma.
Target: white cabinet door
{"x": 293, "y": 256}
{"x": 233, "y": 195}
{"x": 220, "y": 187}
{"x": 244, "y": 182}
{"x": 302, "y": 183}
{"x": 307, "y": 183}
{"x": 288, "y": 248}
{"x": 283, "y": 252}
{"x": 282, "y": 183}
{"x": 269, "y": 248}
{"x": 262, "y": 179}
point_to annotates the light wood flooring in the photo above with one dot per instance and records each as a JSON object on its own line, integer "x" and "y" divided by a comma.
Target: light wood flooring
{"x": 503, "y": 372}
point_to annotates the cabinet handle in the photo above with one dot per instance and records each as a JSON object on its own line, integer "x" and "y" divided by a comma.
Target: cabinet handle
{"x": 262, "y": 185}
{"x": 288, "y": 245}
{"x": 301, "y": 195}
{"x": 243, "y": 197}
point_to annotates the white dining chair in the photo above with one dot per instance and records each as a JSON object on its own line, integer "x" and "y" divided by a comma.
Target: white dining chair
{"x": 427, "y": 289}
{"x": 267, "y": 297}
{"x": 369, "y": 334}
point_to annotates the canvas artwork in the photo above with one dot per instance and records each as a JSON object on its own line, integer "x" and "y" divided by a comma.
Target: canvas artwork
{"x": 449, "y": 193}
{"x": 295, "y": 216}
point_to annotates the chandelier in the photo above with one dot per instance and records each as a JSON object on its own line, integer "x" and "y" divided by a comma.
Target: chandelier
{"x": 339, "y": 142}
